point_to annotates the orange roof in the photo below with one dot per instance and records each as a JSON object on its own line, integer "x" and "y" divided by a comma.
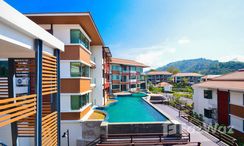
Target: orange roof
{"x": 187, "y": 75}
{"x": 232, "y": 81}
{"x": 224, "y": 85}
{"x": 159, "y": 73}
{"x": 84, "y": 19}
{"x": 163, "y": 84}
{"x": 233, "y": 76}
{"x": 127, "y": 62}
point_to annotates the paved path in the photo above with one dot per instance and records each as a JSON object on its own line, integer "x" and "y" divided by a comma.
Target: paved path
{"x": 196, "y": 135}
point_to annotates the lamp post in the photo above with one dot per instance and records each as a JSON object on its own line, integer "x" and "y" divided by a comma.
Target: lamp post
{"x": 66, "y": 134}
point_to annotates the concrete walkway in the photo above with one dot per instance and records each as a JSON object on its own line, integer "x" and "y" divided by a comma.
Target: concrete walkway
{"x": 196, "y": 134}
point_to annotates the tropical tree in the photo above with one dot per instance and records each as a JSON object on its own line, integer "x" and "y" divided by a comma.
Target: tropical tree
{"x": 173, "y": 70}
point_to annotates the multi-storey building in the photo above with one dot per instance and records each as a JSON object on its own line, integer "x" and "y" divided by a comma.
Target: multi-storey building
{"x": 156, "y": 77}
{"x": 127, "y": 75}
{"x": 192, "y": 78}
{"x": 84, "y": 67}
{"x": 30, "y": 91}
{"x": 221, "y": 100}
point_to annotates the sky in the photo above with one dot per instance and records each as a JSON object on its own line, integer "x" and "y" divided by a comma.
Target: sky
{"x": 157, "y": 32}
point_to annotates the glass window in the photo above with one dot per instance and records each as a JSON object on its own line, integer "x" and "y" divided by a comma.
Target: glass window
{"x": 3, "y": 68}
{"x": 208, "y": 113}
{"x": 132, "y": 77}
{"x": 133, "y": 68}
{"x": 76, "y": 36}
{"x": 243, "y": 99}
{"x": 208, "y": 94}
{"x": 116, "y": 68}
{"x": 75, "y": 102}
{"x": 115, "y": 77}
{"x": 85, "y": 70}
{"x": 75, "y": 69}
{"x": 78, "y": 101}
{"x": 78, "y": 69}
{"x": 133, "y": 86}
{"x": 115, "y": 86}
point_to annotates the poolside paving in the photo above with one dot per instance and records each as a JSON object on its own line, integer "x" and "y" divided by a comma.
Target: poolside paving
{"x": 196, "y": 134}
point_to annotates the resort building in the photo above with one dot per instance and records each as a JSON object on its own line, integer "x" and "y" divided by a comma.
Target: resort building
{"x": 127, "y": 75}
{"x": 167, "y": 86}
{"x": 209, "y": 77}
{"x": 30, "y": 82}
{"x": 191, "y": 78}
{"x": 156, "y": 77}
{"x": 84, "y": 67}
{"x": 221, "y": 100}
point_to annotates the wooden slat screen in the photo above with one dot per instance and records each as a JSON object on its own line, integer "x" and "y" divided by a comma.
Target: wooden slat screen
{"x": 49, "y": 74}
{"x": 3, "y": 87}
{"x": 15, "y": 109}
{"x": 49, "y": 129}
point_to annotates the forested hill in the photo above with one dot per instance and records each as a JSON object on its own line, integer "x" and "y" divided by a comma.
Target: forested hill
{"x": 204, "y": 66}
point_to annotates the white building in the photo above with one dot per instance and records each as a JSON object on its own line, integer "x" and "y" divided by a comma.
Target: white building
{"x": 221, "y": 100}
{"x": 82, "y": 68}
{"x": 28, "y": 50}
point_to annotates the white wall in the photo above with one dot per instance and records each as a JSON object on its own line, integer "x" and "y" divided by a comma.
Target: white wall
{"x": 200, "y": 102}
{"x": 236, "y": 98}
{"x": 236, "y": 123}
{"x": 5, "y": 135}
{"x": 75, "y": 131}
{"x": 97, "y": 74}
{"x": 62, "y": 31}
{"x": 168, "y": 88}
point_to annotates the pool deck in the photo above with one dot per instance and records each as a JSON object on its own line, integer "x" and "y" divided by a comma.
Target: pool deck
{"x": 196, "y": 135}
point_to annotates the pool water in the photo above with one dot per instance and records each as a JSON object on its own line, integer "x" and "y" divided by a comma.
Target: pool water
{"x": 133, "y": 109}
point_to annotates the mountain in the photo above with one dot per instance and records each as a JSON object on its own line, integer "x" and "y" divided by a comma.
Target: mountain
{"x": 205, "y": 66}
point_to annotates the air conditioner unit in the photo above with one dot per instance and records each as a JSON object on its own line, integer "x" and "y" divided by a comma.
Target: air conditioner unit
{"x": 22, "y": 81}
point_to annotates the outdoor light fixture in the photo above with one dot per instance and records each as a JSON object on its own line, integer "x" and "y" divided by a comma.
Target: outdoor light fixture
{"x": 66, "y": 134}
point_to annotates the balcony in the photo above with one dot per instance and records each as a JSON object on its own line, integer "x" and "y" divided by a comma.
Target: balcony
{"x": 76, "y": 52}
{"x": 78, "y": 85}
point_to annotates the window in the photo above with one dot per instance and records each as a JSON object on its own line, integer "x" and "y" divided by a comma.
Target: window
{"x": 208, "y": 113}
{"x": 208, "y": 94}
{"x": 115, "y": 77}
{"x": 243, "y": 101}
{"x": 124, "y": 79}
{"x": 133, "y": 86}
{"x": 132, "y": 77}
{"x": 133, "y": 68}
{"x": 78, "y": 101}
{"x": 243, "y": 125}
{"x": 78, "y": 69}
{"x": 76, "y": 36}
{"x": 115, "y": 86}
{"x": 75, "y": 69}
{"x": 3, "y": 68}
{"x": 116, "y": 68}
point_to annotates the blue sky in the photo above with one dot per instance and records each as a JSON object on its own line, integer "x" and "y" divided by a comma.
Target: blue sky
{"x": 157, "y": 32}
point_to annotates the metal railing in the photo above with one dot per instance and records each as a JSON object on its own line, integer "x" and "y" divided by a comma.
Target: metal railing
{"x": 184, "y": 113}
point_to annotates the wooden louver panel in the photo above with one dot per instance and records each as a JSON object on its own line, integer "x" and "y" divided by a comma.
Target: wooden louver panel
{"x": 3, "y": 88}
{"x": 49, "y": 74}
{"x": 15, "y": 109}
{"x": 49, "y": 129}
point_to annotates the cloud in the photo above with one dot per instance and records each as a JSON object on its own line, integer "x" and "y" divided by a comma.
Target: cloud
{"x": 153, "y": 56}
{"x": 232, "y": 58}
{"x": 184, "y": 41}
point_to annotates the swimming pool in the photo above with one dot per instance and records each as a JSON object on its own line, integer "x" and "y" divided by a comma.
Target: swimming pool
{"x": 132, "y": 109}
